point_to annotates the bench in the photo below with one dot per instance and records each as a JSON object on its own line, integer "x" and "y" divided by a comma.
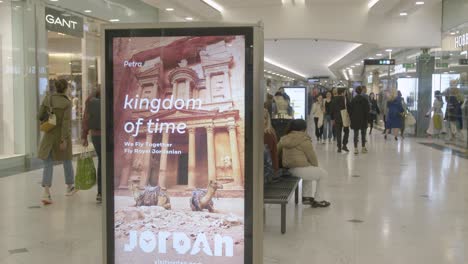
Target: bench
{"x": 280, "y": 193}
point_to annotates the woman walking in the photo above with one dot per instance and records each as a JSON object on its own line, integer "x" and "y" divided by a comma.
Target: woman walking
{"x": 327, "y": 123}
{"x": 359, "y": 113}
{"x": 318, "y": 113}
{"x": 56, "y": 144}
{"x": 394, "y": 115}
{"x": 436, "y": 122}
{"x": 297, "y": 154}
{"x": 374, "y": 112}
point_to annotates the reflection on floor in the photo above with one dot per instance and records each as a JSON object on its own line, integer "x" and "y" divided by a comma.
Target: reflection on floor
{"x": 403, "y": 202}
{"x": 408, "y": 205}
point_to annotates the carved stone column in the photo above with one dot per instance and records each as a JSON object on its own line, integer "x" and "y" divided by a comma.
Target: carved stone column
{"x": 124, "y": 177}
{"x": 163, "y": 162}
{"x": 208, "y": 87}
{"x": 192, "y": 159}
{"x": 146, "y": 162}
{"x": 227, "y": 84}
{"x": 211, "y": 154}
{"x": 236, "y": 171}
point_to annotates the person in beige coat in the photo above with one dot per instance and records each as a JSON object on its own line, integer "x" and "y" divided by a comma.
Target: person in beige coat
{"x": 56, "y": 144}
{"x": 297, "y": 154}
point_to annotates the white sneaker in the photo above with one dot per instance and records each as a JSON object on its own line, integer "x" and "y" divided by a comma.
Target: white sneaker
{"x": 70, "y": 191}
{"x": 46, "y": 199}
{"x": 364, "y": 150}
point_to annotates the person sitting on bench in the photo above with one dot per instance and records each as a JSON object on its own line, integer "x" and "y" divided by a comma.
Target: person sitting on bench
{"x": 297, "y": 153}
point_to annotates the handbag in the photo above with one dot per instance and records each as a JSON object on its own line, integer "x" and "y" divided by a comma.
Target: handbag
{"x": 51, "y": 119}
{"x": 85, "y": 172}
{"x": 410, "y": 120}
{"x": 345, "y": 115}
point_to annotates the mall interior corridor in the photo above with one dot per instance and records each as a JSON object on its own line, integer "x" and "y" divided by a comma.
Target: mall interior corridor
{"x": 403, "y": 202}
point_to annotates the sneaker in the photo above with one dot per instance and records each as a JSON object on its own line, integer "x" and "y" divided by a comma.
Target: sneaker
{"x": 99, "y": 198}
{"x": 46, "y": 199}
{"x": 364, "y": 150}
{"x": 323, "y": 141}
{"x": 356, "y": 151}
{"x": 322, "y": 204}
{"x": 339, "y": 150}
{"x": 70, "y": 191}
{"x": 345, "y": 148}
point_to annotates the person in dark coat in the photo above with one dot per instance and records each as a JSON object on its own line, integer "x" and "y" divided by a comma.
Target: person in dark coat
{"x": 359, "y": 113}
{"x": 395, "y": 111}
{"x": 340, "y": 102}
{"x": 374, "y": 111}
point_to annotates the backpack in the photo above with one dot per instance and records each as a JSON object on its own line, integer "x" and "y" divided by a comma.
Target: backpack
{"x": 268, "y": 171}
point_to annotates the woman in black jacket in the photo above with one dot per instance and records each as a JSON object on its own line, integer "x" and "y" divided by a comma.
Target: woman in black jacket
{"x": 359, "y": 113}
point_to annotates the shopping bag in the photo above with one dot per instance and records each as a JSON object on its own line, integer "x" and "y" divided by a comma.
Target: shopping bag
{"x": 345, "y": 118}
{"x": 437, "y": 121}
{"x": 85, "y": 173}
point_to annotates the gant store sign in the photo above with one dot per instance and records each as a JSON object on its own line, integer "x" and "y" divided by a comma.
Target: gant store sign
{"x": 57, "y": 22}
{"x": 461, "y": 40}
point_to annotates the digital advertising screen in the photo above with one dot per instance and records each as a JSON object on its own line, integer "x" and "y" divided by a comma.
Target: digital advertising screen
{"x": 178, "y": 191}
{"x": 298, "y": 101}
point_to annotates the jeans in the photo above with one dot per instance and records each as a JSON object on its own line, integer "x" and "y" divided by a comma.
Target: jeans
{"x": 338, "y": 130}
{"x": 49, "y": 171}
{"x": 327, "y": 127}
{"x": 308, "y": 175}
{"x": 97, "y": 147}
{"x": 356, "y": 137}
{"x": 318, "y": 130}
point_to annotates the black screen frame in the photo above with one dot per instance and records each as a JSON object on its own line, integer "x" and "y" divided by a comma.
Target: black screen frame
{"x": 248, "y": 33}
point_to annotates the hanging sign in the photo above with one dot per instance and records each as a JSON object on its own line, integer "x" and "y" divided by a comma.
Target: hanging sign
{"x": 62, "y": 22}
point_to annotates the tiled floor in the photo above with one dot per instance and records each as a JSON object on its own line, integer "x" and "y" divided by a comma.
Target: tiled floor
{"x": 411, "y": 200}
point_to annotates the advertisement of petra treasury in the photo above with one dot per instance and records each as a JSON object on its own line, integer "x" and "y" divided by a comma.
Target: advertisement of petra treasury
{"x": 178, "y": 170}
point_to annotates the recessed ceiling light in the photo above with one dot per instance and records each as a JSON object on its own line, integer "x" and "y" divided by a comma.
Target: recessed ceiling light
{"x": 388, "y": 50}
{"x": 371, "y": 58}
{"x": 170, "y": 9}
{"x": 357, "y": 64}
{"x": 189, "y": 18}
{"x": 451, "y": 54}
{"x": 353, "y": 66}
{"x": 54, "y": 0}
{"x": 88, "y": 11}
{"x": 403, "y": 14}
{"x": 419, "y": 3}
{"x": 1, "y": 1}
{"x": 114, "y": 20}
{"x": 378, "y": 54}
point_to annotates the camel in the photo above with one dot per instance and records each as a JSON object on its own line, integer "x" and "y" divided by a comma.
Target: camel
{"x": 150, "y": 196}
{"x": 203, "y": 199}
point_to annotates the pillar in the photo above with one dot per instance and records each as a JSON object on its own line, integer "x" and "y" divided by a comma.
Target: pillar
{"x": 236, "y": 171}
{"x": 192, "y": 159}
{"x": 211, "y": 154}
{"x": 208, "y": 87}
{"x": 425, "y": 65}
{"x": 375, "y": 82}
{"x": 163, "y": 162}
{"x": 124, "y": 177}
{"x": 227, "y": 84}
{"x": 145, "y": 174}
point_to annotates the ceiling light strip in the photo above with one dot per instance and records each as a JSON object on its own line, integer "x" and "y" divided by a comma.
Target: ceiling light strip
{"x": 283, "y": 67}
{"x": 372, "y": 3}
{"x": 214, "y": 5}
{"x": 337, "y": 59}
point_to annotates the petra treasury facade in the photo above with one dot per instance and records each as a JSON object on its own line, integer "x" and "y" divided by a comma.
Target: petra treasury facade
{"x": 211, "y": 69}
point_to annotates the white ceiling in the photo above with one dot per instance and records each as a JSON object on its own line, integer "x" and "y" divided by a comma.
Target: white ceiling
{"x": 266, "y": 3}
{"x": 308, "y": 57}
